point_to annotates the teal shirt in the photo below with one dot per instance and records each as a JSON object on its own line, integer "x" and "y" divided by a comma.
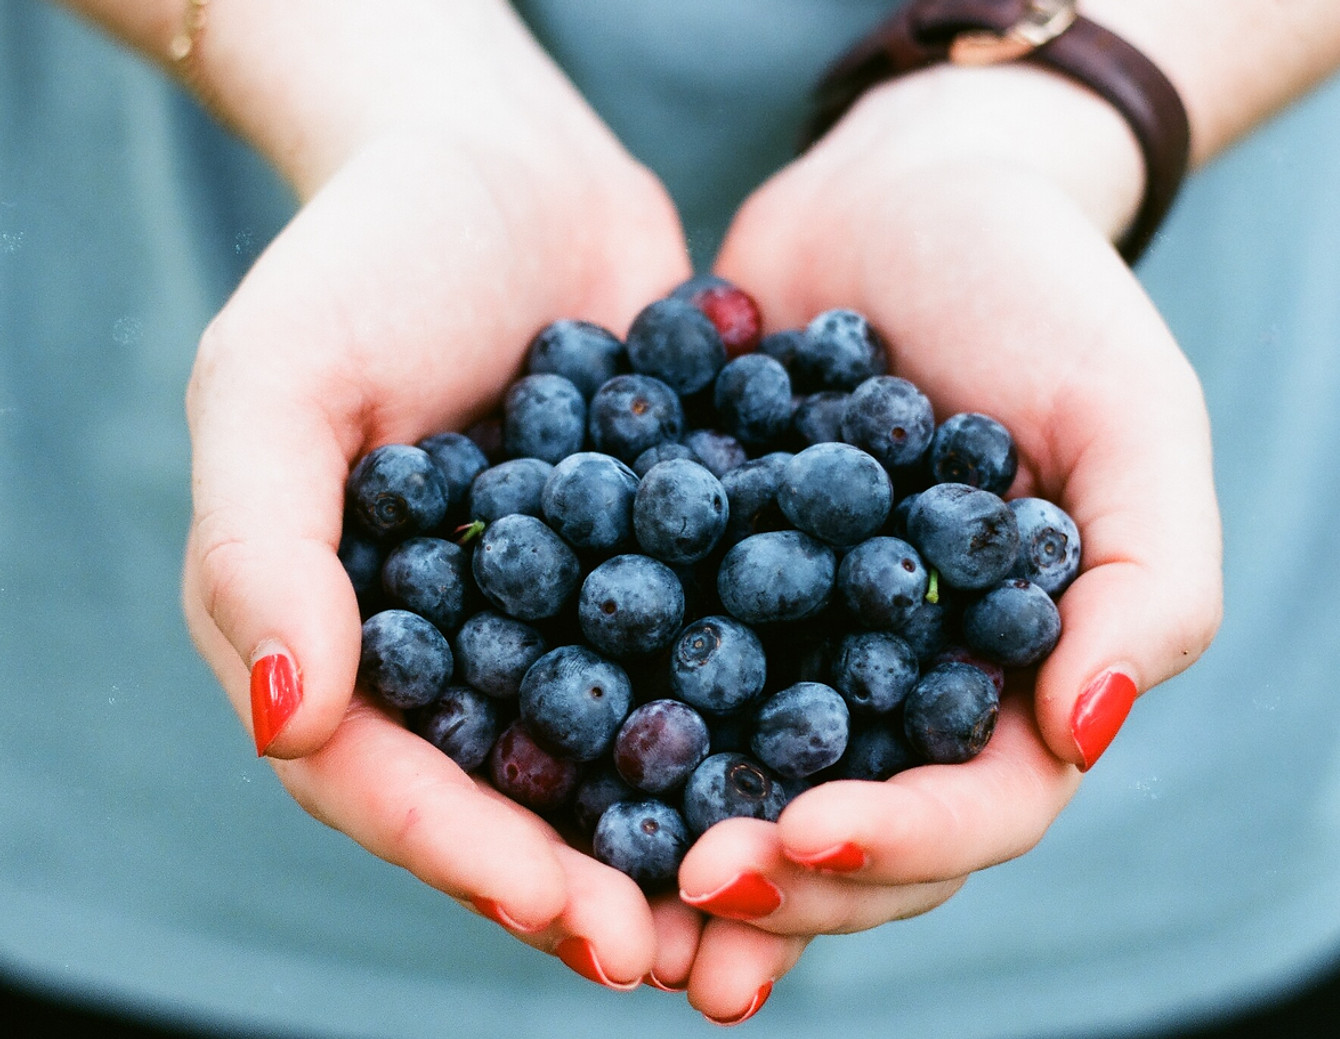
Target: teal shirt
{"x": 147, "y": 860}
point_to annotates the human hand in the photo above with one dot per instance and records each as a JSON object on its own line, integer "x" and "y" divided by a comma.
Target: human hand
{"x": 944, "y": 208}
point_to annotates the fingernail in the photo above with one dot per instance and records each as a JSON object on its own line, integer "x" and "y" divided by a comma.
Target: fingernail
{"x": 487, "y": 907}
{"x": 841, "y": 858}
{"x": 580, "y": 955}
{"x": 275, "y": 694}
{"x": 1099, "y": 713}
{"x": 655, "y": 982}
{"x": 760, "y": 997}
{"x": 747, "y": 897}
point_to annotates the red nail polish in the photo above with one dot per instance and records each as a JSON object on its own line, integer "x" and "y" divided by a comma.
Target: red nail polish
{"x": 487, "y": 907}
{"x": 1099, "y": 713}
{"x": 580, "y": 955}
{"x": 841, "y": 858}
{"x": 275, "y": 695}
{"x": 747, "y": 897}
{"x": 760, "y": 997}
{"x": 655, "y": 982}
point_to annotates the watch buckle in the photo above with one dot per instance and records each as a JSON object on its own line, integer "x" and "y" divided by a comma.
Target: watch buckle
{"x": 1042, "y": 22}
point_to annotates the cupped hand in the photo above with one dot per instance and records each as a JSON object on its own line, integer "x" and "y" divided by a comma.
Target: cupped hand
{"x": 998, "y": 291}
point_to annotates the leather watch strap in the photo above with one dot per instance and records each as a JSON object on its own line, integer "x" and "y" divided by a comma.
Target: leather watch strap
{"x": 929, "y": 32}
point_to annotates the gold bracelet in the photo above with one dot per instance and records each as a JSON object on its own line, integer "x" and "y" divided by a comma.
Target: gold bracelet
{"x": 186, "y": 41}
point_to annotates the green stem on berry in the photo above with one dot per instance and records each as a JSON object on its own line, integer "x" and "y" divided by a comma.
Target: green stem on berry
{"x": 467, "y": 532}
{"x": 933, "y": 587}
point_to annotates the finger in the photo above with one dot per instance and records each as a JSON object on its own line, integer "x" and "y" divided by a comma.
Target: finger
{"x": 405, "y": 801}
{"x": 736, "y": 969}
{"x": 679, "y": 929}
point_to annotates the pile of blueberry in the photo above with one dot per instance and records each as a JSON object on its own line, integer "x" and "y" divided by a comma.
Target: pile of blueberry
{"x": 684, "y": 576}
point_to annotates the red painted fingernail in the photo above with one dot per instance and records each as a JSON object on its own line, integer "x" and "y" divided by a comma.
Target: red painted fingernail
{"x": 760, "y": 997}
{"x": 487, "y": 907}
{"x": 1099, "y": 713}
{"x": 841, "y": 858}
{"x": 275, "y": 694}
{"x": 655, "y": 982}
{"x": 580, "y": 955}
{"x": 747, "y": 897}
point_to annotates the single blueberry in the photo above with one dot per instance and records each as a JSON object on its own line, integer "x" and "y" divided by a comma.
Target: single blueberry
{"x": 674, "y": 341}
{"x": 494, "y": 652}
{"x": 529, "y": 773}
{"x": 969, "y": 535}
{"x": 397, "y": 491}
{"x": 1016, "y": 624}
{"x": 875, "y": 752}
{"x": 462, "y": 723}
{"x": 778, "y": 576}
{"x": 600, "y": 787}
{"x": 405, "y": 661}
{"x": 431, "y": 577}
{"x": 508, "y": 487}
{"x": 951, "y": 712}
{"x": 631, "y": 413}
{"x": 630, "y": 605}
{"x": 362, "y": 555}
{"x": 718, "y": 453}
{"x": 662, "y": 452}
{"x": 645, "y": 839}
{"x": 751, "y": 493}
{"x": 588, "y": 502}
{"x": 975, "y": 449}
{"x": 544, "y": 416}
{"x": 801, "y": 730}
{"x": 679, "y": 512}
{"x": 524, "y": 568}
{"x": 839, "y": 351}
{"x": 659, "y": 744}
{"x": 582, "y": 351}
{"x": 731, "y": 785}
{"x": 818, "y": 416}
{"x": 836, "y": 492}
{"x": 574, "y": 701}
{"x": 1049, "y": 555}
{"x": 891, "y": 419}
{"x": 753, "y": 399}
{"x": 718, "y": 665}
{"x": 881, "y": 582}
{"x": 459, "y": 459}
{"x": 874, "y": 671}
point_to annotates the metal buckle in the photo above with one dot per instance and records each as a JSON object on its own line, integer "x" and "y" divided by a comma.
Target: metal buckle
{"x": 1042, "y": 22}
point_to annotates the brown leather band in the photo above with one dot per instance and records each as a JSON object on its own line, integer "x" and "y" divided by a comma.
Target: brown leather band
{"x": 920, "y": 34}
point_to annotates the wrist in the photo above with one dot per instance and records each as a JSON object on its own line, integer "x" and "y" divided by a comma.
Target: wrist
{"x": 1015, "y": 116}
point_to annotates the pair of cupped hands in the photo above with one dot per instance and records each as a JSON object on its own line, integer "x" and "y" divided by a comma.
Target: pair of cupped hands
{"x": 399, "y": 303}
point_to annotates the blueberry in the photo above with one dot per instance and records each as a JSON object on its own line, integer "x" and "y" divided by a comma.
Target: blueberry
{"x": 969, "y": 535}
{"x": 361, "y": 556}
{"x": 582, "y": 351}
{"x": 730, "y": 785}
{"x": 801, "y": 730}
{"x": 718, "y": 453}
{"x": 951, "y": 713}
{"x": 524, "y": 568}
{"x": 508, "y": 487}
{"x": 659, "y": 744}
{"x": 630, "y": 605}
{"x": 1050, "y": 547}
{"x": 963, "y": 655}
{"x": 930, "y": 627}
{"x": 674, "y": 341}
{"x": 494, "y": 652}
{"x": 875, "y": 752}
{"x": 662, "y": 452}
{"x": 631, "y": 413}
{"x": 459, "y": 459}
{"x": 751, "y": 494}
{"x": 753, "y": 399}
{"x": 782, "y": 575}
{"x": 891, "y": 419}
{"x": 835, "y": 492}
{"x": 882, "y": 581}
{"x": 431, "y": 577}
{"x": 645, "y": 839}
{"x": 588, "y": 502}
{"x": 1016, "y": 624}
{"x": 732, "y": 310}
{"x": 462, "y": 723}
{"x": 974, "y": 449}
{"x": 544, "y": 416}
{"x": 599, "y": 788}
{"x": 529, "y": 773}
{"x": 405, "y": 661}
{"x": 818, "y": 416}
{"x": 874, "y": 671}
{"x": 679, "y": 512}
{"x": 397, "y": 491}
{"x": 839, "y": 351}
{"x": 573, "y": 701}
{"x": 718, "y": 665}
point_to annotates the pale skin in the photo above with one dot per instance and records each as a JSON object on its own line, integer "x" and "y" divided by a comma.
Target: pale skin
{"x": 457, "y": 194}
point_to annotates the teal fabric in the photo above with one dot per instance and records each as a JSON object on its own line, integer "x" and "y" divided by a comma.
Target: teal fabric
{"x": 149, "y": 862}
